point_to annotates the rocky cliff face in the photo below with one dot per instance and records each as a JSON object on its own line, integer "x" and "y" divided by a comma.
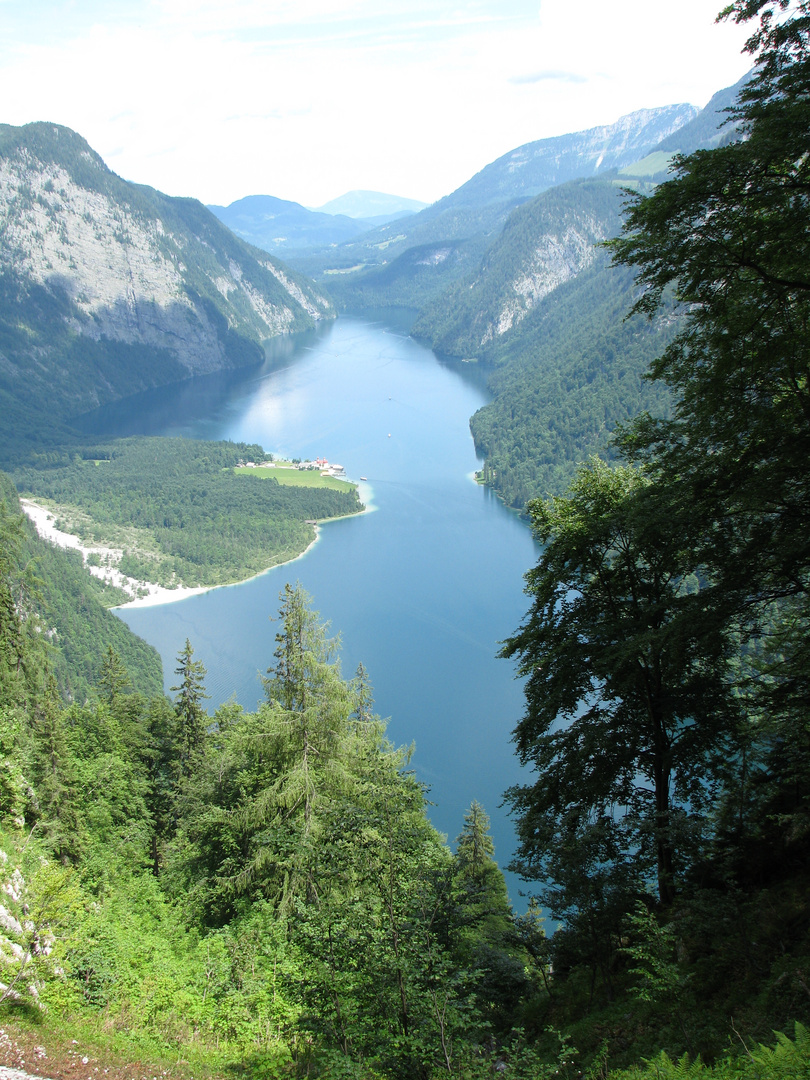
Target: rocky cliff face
{"x": 558, "y": 256}
{"x": 544, "y": 244}
{"x": 127, "y": 273}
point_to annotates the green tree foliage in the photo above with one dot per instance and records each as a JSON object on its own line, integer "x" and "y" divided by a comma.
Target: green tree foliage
{"x": 13, "y": 653}
{"x": 565, "y": 378}
{"x": 730, "y": 233}
{"x": 302, "y": 810}
{"x": 53, "y": 771}
{"x": 192, "y": 720}
{"x": 627, "y": 694}
{"x": 488, "y": 945}
{"x": 50, "y": 605}
{"x": 665, "y": 650}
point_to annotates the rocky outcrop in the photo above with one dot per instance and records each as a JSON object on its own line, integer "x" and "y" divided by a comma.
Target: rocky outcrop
{"x": 558, "y": 257}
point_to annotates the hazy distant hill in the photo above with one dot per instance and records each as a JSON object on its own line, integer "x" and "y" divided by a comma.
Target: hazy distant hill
{"x": 276, "y": 224}
{"x": 109, "y": 287}
{"x": 371, "y": 204}
{"x": 280, "y": 226}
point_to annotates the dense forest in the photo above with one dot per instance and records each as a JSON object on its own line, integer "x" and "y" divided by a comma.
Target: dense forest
{"x": 262, "y": 894}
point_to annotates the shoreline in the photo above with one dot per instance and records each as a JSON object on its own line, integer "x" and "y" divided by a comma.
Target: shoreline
{"x": 162, "y": 595}
{"x": 142, "y": 593}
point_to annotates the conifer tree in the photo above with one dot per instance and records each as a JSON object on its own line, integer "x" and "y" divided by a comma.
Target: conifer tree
{"x": 54, "y": 776}
{"x": 486, "y": 939}
{"x": 188, "y": 706}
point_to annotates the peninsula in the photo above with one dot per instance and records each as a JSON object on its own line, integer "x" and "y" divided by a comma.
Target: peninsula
{"x": 211, "y": 514}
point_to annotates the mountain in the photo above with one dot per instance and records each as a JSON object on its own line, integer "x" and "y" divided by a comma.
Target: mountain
{"x": 537, "y": 166}
{"x": 280, "y": 226}
{"x": 544, "y": 243}
{"x": 552, "y": 238}
{"x": 108, "y": 287}
{"x": 277, "y": 224}
{"x": 546, "y": 311}
{"x": 708, "y": 128}
{"x": 371, "y": 204}
{"x": 473, "y": 216}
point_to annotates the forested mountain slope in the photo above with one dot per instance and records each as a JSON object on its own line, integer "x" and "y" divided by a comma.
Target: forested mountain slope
{"x": 109, "y": 287}
{"x": 452, "y": 234}
{"x": 572, "y": 371}
{"x": 64, "y": 610}
{"x": 544, "y": 243}
{"x": 546, "y": 310}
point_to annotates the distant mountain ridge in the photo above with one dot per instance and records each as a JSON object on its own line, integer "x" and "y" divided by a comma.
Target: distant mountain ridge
{"x": 474, "y": 214}
{"x": 710, "y": 127}
{"x": 544, "y": 308}
{"x": 537, "y": 166}
{"x": 278, "y": 224}
{"x": 551, "y": 238}
{"x": 371, "y": 204}
{"x": 107, "y": 287}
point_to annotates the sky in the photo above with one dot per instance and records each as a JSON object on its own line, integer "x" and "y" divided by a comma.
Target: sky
{"x": 308, "y": 99}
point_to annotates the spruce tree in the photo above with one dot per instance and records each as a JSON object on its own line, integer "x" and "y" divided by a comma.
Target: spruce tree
{"x": 192, "y": 719}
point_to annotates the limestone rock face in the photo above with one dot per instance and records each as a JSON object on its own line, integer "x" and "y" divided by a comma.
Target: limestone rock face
{"x": 126, "y": 277}
{"x": 558, "y": 257}
{"x": 545, "y": 244}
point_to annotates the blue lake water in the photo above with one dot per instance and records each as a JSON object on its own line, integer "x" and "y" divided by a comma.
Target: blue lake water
{"x": 421, "y": 589}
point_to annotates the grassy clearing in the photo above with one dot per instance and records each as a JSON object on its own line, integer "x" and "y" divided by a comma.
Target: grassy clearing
{"x": 74, "y": 1048}
{"x": 289, "y": 476}
{"x": 654, "y": 163}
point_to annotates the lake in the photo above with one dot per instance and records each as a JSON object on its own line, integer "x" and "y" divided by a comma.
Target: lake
{"x": 421, "y": 588}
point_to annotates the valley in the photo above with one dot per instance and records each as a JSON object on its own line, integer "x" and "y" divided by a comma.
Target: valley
{"x": 484, "y": 752}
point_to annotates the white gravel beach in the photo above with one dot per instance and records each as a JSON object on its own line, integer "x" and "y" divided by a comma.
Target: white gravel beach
{"x": 142, "y": 593}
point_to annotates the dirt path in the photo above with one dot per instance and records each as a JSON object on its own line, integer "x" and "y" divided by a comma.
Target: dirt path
{"x": 40, "y": 1055}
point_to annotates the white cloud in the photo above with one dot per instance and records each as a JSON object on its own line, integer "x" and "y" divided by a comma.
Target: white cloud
{"x": 306, "y": 100}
